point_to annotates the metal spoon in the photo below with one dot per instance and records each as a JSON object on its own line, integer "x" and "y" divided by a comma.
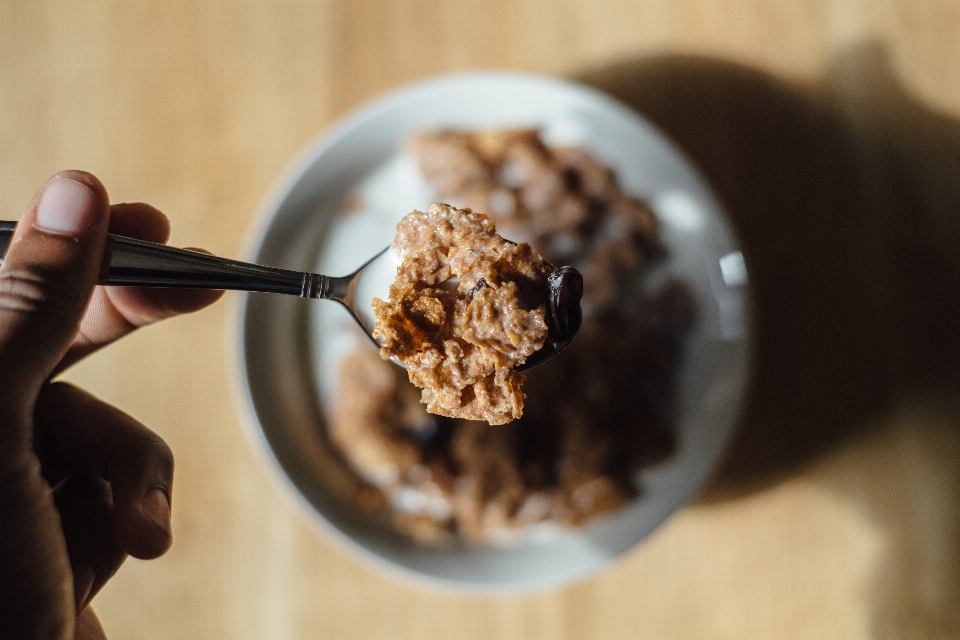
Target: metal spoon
{"x": 139, "y": 263}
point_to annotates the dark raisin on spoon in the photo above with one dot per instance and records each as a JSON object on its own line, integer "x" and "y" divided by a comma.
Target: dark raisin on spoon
{"x": 563, "y": 315}
{"x": 564, "y": 290}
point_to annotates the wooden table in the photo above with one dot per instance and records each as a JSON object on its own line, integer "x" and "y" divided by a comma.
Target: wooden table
{"x": 830, "y": 129}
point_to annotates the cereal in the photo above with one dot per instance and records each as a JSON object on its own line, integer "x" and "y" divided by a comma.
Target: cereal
{"x": 466, "y": 308}
{"x": 594, "y": 416}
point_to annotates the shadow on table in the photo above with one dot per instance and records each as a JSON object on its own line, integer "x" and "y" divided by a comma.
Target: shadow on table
{"x": 846, "y": 197}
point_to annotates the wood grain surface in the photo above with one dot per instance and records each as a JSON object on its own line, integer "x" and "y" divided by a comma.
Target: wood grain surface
{"x": 830, "y": 129}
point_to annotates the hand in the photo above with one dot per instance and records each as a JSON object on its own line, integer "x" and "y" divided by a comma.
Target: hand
{"x": 82, "y": 485}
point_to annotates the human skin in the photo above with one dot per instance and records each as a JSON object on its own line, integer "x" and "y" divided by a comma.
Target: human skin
{"x": 82, "y": 484}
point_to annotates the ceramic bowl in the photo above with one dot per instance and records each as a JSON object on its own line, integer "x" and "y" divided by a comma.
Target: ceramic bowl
{"x": 288, "y": 347}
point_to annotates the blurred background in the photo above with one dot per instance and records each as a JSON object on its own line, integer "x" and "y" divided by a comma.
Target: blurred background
{"x": 831, "y": 131}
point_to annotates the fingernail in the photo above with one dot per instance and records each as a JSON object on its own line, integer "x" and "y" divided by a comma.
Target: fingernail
{"x": 67, "y": 206}
{"x": 83, "y": 577}
{"x": 156, "y": 506}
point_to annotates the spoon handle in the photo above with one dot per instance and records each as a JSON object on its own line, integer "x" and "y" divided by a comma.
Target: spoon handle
{"x": 147, "y": 264}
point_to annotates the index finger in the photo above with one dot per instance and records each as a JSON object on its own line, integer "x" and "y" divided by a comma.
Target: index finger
{"x": 116, "y": 311}
{"x": 75, "y": 432}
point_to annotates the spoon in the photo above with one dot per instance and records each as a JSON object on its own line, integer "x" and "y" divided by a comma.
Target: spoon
{"x": 140, "y": 263}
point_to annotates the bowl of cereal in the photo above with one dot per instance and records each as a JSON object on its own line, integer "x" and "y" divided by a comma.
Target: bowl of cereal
{"x": 616, "y": 433}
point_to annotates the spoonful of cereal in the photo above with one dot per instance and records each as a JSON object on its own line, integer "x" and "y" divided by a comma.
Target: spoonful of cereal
{"x": 538, "y": 336}
{"x": 469, "y": 310}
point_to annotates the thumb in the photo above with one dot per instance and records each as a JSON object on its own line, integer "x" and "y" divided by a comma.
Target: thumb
{"x": 46, "y": 280}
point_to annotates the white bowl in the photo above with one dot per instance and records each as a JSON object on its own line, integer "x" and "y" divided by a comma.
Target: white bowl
{"x": 289, "y": 346}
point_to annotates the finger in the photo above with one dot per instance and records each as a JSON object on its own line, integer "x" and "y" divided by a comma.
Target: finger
{"x": 46, "y": 280}
{"x": 35, "y": 590}
{"x": 88, "y": 626}
{"x": 77, "y": 433}
{"x": 139, "y": 220}
{"x": 85, "y": 504}
{"x": 115, "y": 311}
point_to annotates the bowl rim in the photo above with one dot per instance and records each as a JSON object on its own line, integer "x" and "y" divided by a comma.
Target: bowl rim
{"x": 295, "y": 171}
